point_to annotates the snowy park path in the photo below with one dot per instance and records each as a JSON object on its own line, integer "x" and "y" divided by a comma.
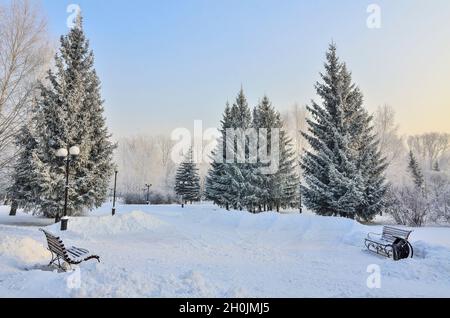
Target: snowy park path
{"x": 202, "y": 251}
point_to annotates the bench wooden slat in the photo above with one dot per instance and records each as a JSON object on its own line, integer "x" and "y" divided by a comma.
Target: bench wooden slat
{"x": 75, "y": 253}
{"x": 57, "y": 247}
{"x": 390, "y": 233}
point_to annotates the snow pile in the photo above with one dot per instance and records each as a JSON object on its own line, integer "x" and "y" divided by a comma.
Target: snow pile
{"x": 23, "y": 250}
{"x": 133, "y": 222}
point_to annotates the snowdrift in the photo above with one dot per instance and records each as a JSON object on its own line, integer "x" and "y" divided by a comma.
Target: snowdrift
{"x": 23, "y": 250}
{"x": 129, "y": 223}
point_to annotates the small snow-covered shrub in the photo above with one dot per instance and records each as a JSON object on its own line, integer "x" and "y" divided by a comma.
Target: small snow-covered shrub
{"x": 134, "y": 198}
{"x": 408, "y": 205}
{"x": 156, "y": 197}
{"x": 438, "y": 188}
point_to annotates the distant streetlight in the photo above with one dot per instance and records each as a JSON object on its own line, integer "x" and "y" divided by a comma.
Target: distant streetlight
{"x": 114, "y": 195}
{"x": 147, "y": 187}
{"x": 66, "y": 153}
{"x": 182, "y": 200}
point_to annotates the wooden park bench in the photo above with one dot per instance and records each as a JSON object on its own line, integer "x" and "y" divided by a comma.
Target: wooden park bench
{"x": 392, "y": 243}
{"x": 72, "y": 256}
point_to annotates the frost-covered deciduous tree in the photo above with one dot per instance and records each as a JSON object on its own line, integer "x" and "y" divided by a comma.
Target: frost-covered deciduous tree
{"x": 423, "y": 198}
{"x": 409, "y": 203}
{"x": 431, "y": 148}
{"x": 392, "y": 145}
{"x": 24, "y": 54}
{"x": 295, "y": 121}
{"x": 164, "y": 144}
{"x": 344, "y": 171}
{"x": 438, "y": 187}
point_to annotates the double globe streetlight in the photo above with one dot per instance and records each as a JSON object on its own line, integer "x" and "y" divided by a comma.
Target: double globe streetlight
{"x": 67, "y": 154}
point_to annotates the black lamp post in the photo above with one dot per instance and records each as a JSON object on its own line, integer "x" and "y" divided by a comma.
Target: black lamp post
{"x": 66, "y": 153}
{"x": 114, "y": 195}
{"x": 147, "y": 187}
{"x": 182, "y": 199}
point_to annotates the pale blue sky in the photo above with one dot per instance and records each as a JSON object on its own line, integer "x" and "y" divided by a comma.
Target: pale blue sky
{"x": 164, "y": 64}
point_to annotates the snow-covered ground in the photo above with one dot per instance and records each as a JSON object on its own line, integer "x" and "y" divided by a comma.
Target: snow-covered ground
{"x": 203, "y": 251}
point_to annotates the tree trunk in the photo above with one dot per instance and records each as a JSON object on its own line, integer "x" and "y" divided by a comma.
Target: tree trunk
{"x": 14, "y": 207}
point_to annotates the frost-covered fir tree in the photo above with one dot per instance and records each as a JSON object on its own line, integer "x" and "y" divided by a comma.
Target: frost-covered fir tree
{"x": 372, "y": 166}
{"x": 215, "y": 185}
{"x": 70, "y": 113}
{"x": 280, "y": 188}
{"x": 265, "y": 118}
{"x": 287, "y": 174}
{"x": 249, "y": 185}
{"x": 229, "y": 182}
{"x": 24, "y": 189}
{"x": 187, "y": 181}
{"x": 344, "y": 171}
{"x": 238, "y": 174}
{"x": 415, "y": 171}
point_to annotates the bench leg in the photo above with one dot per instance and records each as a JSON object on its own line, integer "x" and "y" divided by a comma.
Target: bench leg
{"x": 411, "y": 249}
{"x": 54, "y": 259}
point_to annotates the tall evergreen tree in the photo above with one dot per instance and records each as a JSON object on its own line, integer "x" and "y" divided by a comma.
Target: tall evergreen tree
{"x": 436, "y": 167}
{"x": 287, "y": 174}
{"x": 344, "y": 171}
{"x": 237, "y": 174}
{"x": 278, "y": 189}
{"x": 69, "y": 113}
{"x": 415, "y": 171}
{"x": 216, "y": 186}
{"x": 24, "y": 190}
{"x": 187, "y": 181}
{"x": 265, "y": 117}
{"x": 229, "y": 181}
{"x": 248, "y": 185}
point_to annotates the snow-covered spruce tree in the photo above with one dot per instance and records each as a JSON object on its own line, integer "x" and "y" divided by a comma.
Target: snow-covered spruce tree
{"x": 238, "y": 174}
{"x": 287, "y": 174}
{"x": 436, "y": 167}
{"x": 229, "y": 183}
{"x": 265, "y": 117}
{"x": 372, "y": 166}
{"x": 415, "y": 171}
{"x": 70, "y": 112}
{"x": 215, "y": 185}
{"x": 24, "y": 190}
{"x": 187, "y": 181}
{"x": 278, "y": 189}
{"x": 344, "y": 171}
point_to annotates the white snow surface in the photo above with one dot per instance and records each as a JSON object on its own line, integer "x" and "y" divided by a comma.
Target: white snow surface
{"x": 204, "y": 251}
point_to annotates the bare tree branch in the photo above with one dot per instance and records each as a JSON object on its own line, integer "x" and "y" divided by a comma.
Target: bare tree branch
{"x": 24, "y": 55}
